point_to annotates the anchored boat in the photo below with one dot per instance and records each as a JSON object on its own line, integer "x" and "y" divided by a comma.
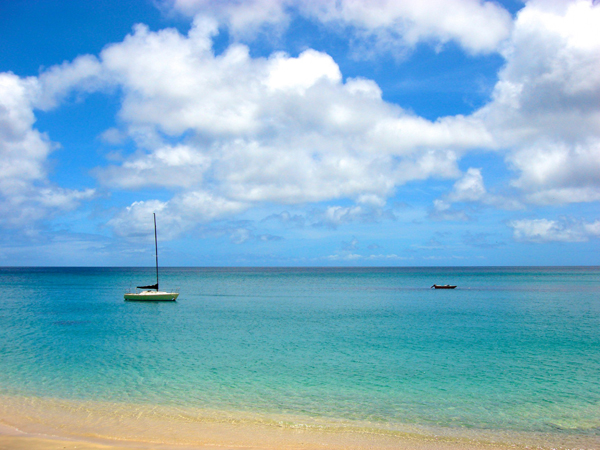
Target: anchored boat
{"x": 151, "y": 293}
{"x": 442, "y": 286}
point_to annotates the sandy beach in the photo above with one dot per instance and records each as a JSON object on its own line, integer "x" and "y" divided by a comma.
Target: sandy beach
{"x": 32, "y": 443}
{"x": 20, "y": 441}
{"x": 11, "y": 440}
{"x": 48, "y": 424}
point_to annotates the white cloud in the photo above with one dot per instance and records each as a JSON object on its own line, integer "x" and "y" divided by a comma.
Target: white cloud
{"x": 299, "y": 74}
{"x": 204, "y": 206}
{"x": 544, "y": 230}
{"x": 443, "y": 210}
{"x": 346, "y": 256}
{"x": 281, "y": 129}
{"x": 546, "y": 104}
{"x": 26, "y": 195}
{"x": 113, "y": 136}
{"x": 84, "y": 74}
{"x": 367, "y": 210}
{"x": 167, "y": 166}
{"x": 335, "y": 216}
{"x": 243, "y": 17}
{"x": 240, "y": 236}
{"x": 470, "y": 188}
{"x": 291, "y": 130}
{"x": 134, "y": 221}
{"x": 559, "y": 172}
{"x": 55, "y": 197}
{"x": 178, "y": 215}
{"x": 479, "y": 26}
{"x": 175, "y": 83}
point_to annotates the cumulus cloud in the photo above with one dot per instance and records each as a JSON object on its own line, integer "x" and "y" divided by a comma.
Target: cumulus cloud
{"x": 227, "y": 132}
{"x": 281, "y": 129}
{"x": 167, "y": 166}
{"x": 26, "y": 195}
{"x": 243, "y": 17}
{"x": 546, "y": 104}
{"x": 178, "y": 215}
{"x": 545, "y": 230}
{"x": 84, "y": 74}
{"x": 558, "y": 172}
{"x": 470, "y": 188}
{"x": 479, "y": 26}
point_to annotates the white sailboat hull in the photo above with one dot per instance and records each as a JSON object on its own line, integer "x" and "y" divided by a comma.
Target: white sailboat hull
{"x": 152, "y": 296}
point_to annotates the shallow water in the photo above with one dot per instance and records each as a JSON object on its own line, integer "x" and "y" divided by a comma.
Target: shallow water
{"x": 512, "y": 350}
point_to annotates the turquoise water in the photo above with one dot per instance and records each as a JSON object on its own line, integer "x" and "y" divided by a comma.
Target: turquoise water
{"x": 513, "y": 349}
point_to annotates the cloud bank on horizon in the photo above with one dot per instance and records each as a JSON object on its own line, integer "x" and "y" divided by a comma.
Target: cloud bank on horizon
{"x": 274, "y": 148}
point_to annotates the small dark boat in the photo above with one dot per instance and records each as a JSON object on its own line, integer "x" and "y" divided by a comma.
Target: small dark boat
{"x": 442, "y": 286}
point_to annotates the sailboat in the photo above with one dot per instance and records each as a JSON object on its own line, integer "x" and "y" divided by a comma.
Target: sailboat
{"x": 151, "y": 293}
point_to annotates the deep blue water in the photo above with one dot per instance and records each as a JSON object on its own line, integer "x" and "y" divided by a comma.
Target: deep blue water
{"x": 514, "y": 349}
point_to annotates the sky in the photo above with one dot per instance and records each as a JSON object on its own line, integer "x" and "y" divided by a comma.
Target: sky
{"x": 300, "y": 133}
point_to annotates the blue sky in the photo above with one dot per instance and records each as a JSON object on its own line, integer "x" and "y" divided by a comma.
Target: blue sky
{"x": 288, "y": 133}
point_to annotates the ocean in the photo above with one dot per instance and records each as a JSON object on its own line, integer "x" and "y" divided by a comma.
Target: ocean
{"x": 511, "y": 354}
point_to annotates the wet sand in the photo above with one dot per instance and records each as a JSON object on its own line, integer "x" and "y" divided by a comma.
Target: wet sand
{"x": 31, "y": 442}
{"x": 235, "y": 438}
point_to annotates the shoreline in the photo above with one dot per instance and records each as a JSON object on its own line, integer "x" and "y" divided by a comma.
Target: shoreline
{"x": 48, "y": 424}
{"x": 13, "y": 440}
{"x": 27, "y": 441}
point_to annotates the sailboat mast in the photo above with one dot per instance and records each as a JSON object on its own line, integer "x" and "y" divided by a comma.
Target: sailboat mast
{"x": 156, "y": 250}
